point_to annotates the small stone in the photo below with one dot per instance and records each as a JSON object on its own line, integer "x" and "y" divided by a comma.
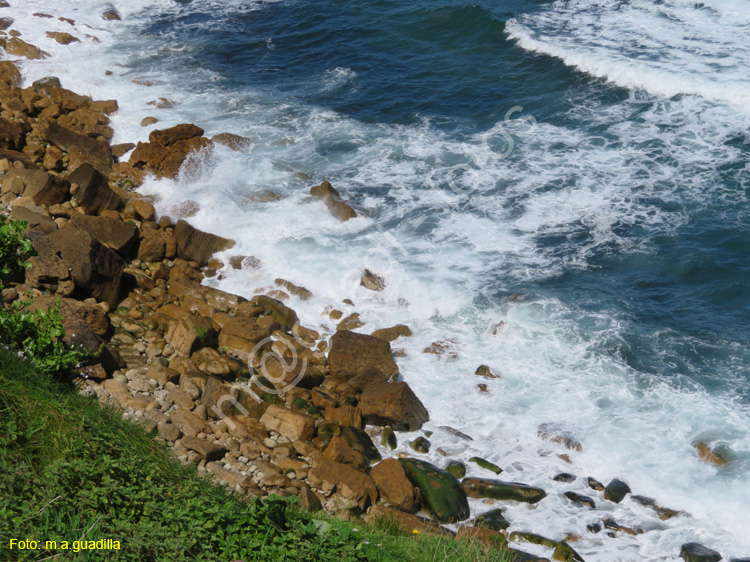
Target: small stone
{"x": 486, "y": 372}
{"x": 372, "y": 281}
{"x": 420, "y": 445}
{"x": 564, "y": 477}
{"x": 456, "y": 468}
{"x": 594, "y": 484}
{"x": 580, "y": 499}
{"x": 616, "y": 491}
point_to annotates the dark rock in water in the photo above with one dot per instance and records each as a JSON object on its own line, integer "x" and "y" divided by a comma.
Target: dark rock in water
{"x": 554, "y": 433}
{"x": 615, "y": 526}
{"x": 493, "y": 519}
{"x": 593, "y": 527}
{"x": 420, "y": 445}
{"x": 456, "y": 432}
{"x": 531, "y": 538}
{"x": 594, "y": 484}
{"x": 487, "y": 465}
{"x": 643, "y": 500}
{"x": 498, "y": 490}
{"x": 515, "y": 555}
{"x": 616, "y": 491}
{"x": 486, "y": 372}
{"x": 361, "y": 442}
{"x": 46, "y": 84}
{"x": 739, "y": 560}
{"x": 565, "y": 553}
{"x": 456, "y": 468}
{"x": 372, "y": 281}
{"x": 111, "y": 14}
{"x": 580, "y": 499}
{"x": 388, "y": 438}
{"x": 564, "y": 477}
{"x": 695, "y": 552}
{"x": 441, "y": 492}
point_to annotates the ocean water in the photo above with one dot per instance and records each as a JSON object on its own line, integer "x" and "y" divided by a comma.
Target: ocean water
{"x": 557, "y": 189}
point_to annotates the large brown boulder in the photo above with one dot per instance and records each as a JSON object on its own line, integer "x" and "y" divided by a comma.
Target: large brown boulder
{"x": 393, "y": 404}
{"x": 96, "y": 269}
{"x": 39, "y": 186}
{"x": 394, "y": 486}
{"x": 295, "y": 426}
{"x": 242, "y": 334}
{"x": 361, "y": 356}
{"x": 284, "y": 315}
{"x": 20, "y": 48}
{"x": 153, "y": 245}
{"x": 168, "y": 148}
{"x": 189, "y": 333}
{"x": 196, "y": 245}
{"x": 354, "y": 487}
{"x": 36, "y": 217}
{"x": 86, "y": 122}
{"x": 80, "y": 148}
{"x": 114, "y": 233}
{"x": 94, "y": 194}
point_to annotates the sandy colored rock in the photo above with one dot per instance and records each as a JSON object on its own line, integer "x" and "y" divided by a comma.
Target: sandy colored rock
{"x": 394, "y": 486}
{"x": 345, "y": 415}
{"x": 332, "y": 199}
{"x": 196, "y": 245}
{"x": 63, "y": 38}
{"x": 116, "y": 234}
{"x": 190, "y": 333}
{"x": 205, "y": 448}
{"x": 339, "y": 451}
{"x": 292, "y": 425}
{"x": 355, "y": 354}
{"x": 352, "y": 486}
{"x": 233, "y": 142}
{"x": 20, "y": 48}
{"x": 10, "y": 76}
{"x": 392, "y": 333}
{"x": 407, "y": 522}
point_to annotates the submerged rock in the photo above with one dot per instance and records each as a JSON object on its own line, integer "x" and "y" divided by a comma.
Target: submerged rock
{"x": 493, "y": 519}
{"x": 565, "y": 553}
{"x": 616, "y": 491}
{"x": 695, "y": 552}
{"x": 456, "y": 468}
{"x": 487, "y": 465}
{"x": 580, "y": 499}
{"x": 531, "y": 538}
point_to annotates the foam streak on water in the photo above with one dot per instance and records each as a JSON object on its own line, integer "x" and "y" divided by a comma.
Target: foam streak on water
{"x": 540, "y": 240}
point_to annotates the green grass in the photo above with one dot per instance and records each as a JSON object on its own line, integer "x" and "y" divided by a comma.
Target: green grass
{"x": 73, "y": 470}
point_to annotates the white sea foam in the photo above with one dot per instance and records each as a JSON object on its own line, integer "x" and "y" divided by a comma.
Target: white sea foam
{"x": 453, "y": 224}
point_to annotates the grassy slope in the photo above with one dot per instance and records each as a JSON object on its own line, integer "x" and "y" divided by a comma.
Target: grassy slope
{"x": 72, "y": 469}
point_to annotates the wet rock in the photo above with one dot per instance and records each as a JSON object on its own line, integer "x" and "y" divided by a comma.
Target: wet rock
{"x": 565, "y": 553}
{"x": 393, "y": 404}
{"x": 233, "y": 142}
{"x": 554, "y": 433}
{"x": 388, "y": 438}
{"x": 695, "y": 552}
{"x": 487, "y": 465}
{"x": 493, "y": 519}
{"x": 284, "y": 315}
{"x": 580, "y": 499}
{"x": 372, "y": 281}
{"x": 456, "y": 468}
{"x": 441, "y": 492}
{"x": 332, "y": 199}
{"x": 594, "y": 484}
{"x": 499, "y": 490}
{"x": 20, "y": 48}
{"x": 564, "y": 477}
{"x": 168, "y": 149}
{"x": 392, "y": 333}
{"x": 531, "y": 538}
{"x": 486, "y": 372}
{"x": 10, "y": 76}
{"x": 616, "y": 491}
{"x": 63, "y": 38}
{"x": 718, "y": 456}
{"x": 361, "y": 442}
{"x": 420, "y": 445}
{"x": 111, "y": 14}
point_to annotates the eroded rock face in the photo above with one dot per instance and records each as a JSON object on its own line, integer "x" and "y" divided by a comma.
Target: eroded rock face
{"x": 355, "y": 488}
{"x": 394, "y": 486}
{"x": 196, "y": 245}
{"x": 81, "y": 149}
{"x": 167, "y": 149}
{"x": 295, "y": 426}
{"x": 332, "y": 199}
{"x": 116, "y": 234}
{"x": 353, "y": 354}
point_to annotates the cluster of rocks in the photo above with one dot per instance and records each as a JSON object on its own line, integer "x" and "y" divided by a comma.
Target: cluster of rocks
{"x": 237, "y": 387}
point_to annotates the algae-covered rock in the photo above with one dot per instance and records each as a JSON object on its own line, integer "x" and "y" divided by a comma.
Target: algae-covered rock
{"x": 564, "y": 477}
{"x": 441, "y": 492}
{"x": 518, "y": 536}
{"x": 565, "y": 553}
{"x": 456, "y": 468}
{"x": 420, "y": 445}
{"x": 580, "y": 499}
{"x": 493, "y": 519}
{"x": 486, "y": 464}
{"x": 388, "y": 438}
{"x": 696, "y": 552}
{"x": 515, "y": 555}
{"x": 499, "y": 490}
{"x": 358, "y": 440}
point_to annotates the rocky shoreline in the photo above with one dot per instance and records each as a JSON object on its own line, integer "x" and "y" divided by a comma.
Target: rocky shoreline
{"x": 235, "y": 386}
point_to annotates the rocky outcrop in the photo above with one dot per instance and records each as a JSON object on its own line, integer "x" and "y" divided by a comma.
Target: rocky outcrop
{"x": 440, "y": 491}
{"x": 167, "y": 149}
{"x": 393, "y": 404}
{"x": 332, "y": 199}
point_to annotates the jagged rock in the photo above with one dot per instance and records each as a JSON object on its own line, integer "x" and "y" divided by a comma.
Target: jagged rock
{"x": 153, "y": 245}
{"x": 20, "y": 48}
{"x": 351, "y": 485}
{"x": 85, "y": 121}
{"x": 372, "y": 281}
{"x": 295, "y": 290}
{"x": 190, "y": 333}
{"x": 339, "y": 451}
{"x": 48, "y": 272}
{"x": 116, "y": 234}
{"x": 63, "y": 38}
{"x": 392, "y": 333}
{"x": 295, "y": 426}
{"x": 196, "y": 245}
{"x": 565, "y": 553}
{"x": 393, "y": 404}
{"x": 285, "y": 316}
{"x": 10, "y": 76}
{"x": 616, "y": 491}
{"x": 486, "y": 372}
{"x": 36, "y": 217}
{"x": 441, "y": 492}
{"x": 498, "y": 490}
{"x": 233, "y": 142}
{"x": 332, "y": 199}
{"x": 695, "y": 552}
{"x": 39, "y": 186}
{"x": 96, "y": 269}
{"x": 168, "y": 149}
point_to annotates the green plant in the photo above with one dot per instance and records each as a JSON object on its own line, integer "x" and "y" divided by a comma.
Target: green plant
{"x": 15, "y": 247}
